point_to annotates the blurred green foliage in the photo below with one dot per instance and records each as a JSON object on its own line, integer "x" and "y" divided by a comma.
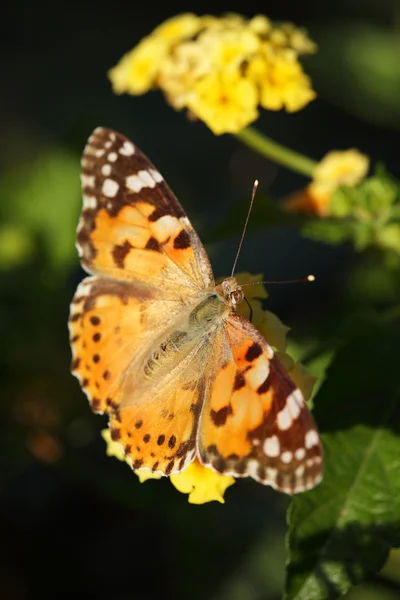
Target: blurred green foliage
{"x": 367, "y": 214}
{"x": 40, "y": 202}
{"x": 363, "y": 75}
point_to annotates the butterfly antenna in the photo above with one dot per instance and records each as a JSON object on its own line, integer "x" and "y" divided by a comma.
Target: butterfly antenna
{"x": 255, "y": 186}
{"x": 307, "y": 278}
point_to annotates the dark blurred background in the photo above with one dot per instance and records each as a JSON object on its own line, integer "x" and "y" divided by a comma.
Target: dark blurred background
{"x": 75, "y": 523}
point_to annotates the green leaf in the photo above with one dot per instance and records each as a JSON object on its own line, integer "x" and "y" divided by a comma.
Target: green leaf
{"x": 363, "y": 214}
{"x": 44, "y": 200}
{"x": 368, "y": 200}
{"x": 341, "y": 532}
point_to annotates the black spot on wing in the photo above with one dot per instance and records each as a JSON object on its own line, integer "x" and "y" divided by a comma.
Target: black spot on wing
{"x": 220, "y": 416}
{"x": 182, "y": 240}
{"x": 253, "y": 352}
{"x": 120, "y": 252}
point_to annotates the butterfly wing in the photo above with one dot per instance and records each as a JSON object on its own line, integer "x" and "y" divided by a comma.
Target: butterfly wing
{"x": 149, "y": 266}
{"x": 132, "y": 227}
{"x": 111, "y": 323}
{"x": 157, "y": 421}
{"x": 255, "y": 421}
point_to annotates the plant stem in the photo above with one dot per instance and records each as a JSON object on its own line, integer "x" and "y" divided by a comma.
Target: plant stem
{"x": 275, "y": 152}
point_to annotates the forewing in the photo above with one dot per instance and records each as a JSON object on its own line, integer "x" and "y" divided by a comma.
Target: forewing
{"x": 255, "y": 421}
{"x": 132, "y": 227}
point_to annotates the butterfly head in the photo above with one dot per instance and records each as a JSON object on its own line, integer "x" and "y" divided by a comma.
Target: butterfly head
{"x": 231, "y": 292}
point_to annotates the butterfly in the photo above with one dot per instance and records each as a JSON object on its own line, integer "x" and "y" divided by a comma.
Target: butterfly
{"x": 160, "y": 348}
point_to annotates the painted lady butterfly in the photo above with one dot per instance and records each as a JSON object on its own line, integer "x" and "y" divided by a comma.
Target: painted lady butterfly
{"x": 159, "y": 347}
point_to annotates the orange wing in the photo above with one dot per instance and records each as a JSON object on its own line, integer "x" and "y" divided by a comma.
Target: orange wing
{"x": 149, "y": 268}
{"x": 141, "y": 371}
{"x": 255, "y": 421}
{"x": 158, "y": 429}
{"x": 132, "y": 227}
{"x": 112, "y": 324}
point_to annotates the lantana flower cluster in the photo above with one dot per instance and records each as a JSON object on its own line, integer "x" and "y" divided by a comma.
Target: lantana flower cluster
{"x": 336, "y": 169}
{"x": 220, "y": 69}
{"x": 201, "y": 483}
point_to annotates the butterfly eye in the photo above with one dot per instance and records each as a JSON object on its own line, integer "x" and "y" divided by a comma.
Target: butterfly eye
{"x": 236, "y": 296}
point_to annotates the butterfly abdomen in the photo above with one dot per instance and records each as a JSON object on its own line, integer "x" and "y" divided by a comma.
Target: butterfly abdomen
{"x": 165, "y": 353}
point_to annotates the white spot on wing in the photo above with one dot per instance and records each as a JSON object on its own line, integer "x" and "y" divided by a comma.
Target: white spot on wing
{"x": 286, "y": 457}
{"x": 284, "y": 419}
{"x": 112, "y": 157}
{"x": 312, "y": 438}
{"x": 165, "y": 227}
{"x": 259, "y": 373}
{"x": 87, "y": 180}
{"x": 127, "y": 149}
{"x": 110, "y": 188}
{"x": 156, "y": 175}
{"x": 293, "y": 402}
{"x": 272, "y": 446}
{"x": 300, "y": 453}
{"x": 89, "y": 201}
{"x": 141, "y": 180}
{"x": 106, "y": 170}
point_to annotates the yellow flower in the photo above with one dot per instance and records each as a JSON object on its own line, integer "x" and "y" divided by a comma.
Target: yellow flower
{"x": 136, "y": 71}
{"x": 298, "y": 40}
{"x": 342, "y": 167}
{"x": 181, "y": 70}
{"x": 285, "y": 85}
{"x": 337, "y": 168}
{"x": 226, "y": 102}
{"x": 228, "y": 49}
{"x": 178, "y": 28}
{"x": 260, "y": 24}
{"x": 202, "y": 484}
{"x": 145, "y": 475}
{"x": 220, "y": 69}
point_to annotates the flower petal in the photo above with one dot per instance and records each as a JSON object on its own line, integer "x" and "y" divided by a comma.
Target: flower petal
{"x": 202, "y": 484}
